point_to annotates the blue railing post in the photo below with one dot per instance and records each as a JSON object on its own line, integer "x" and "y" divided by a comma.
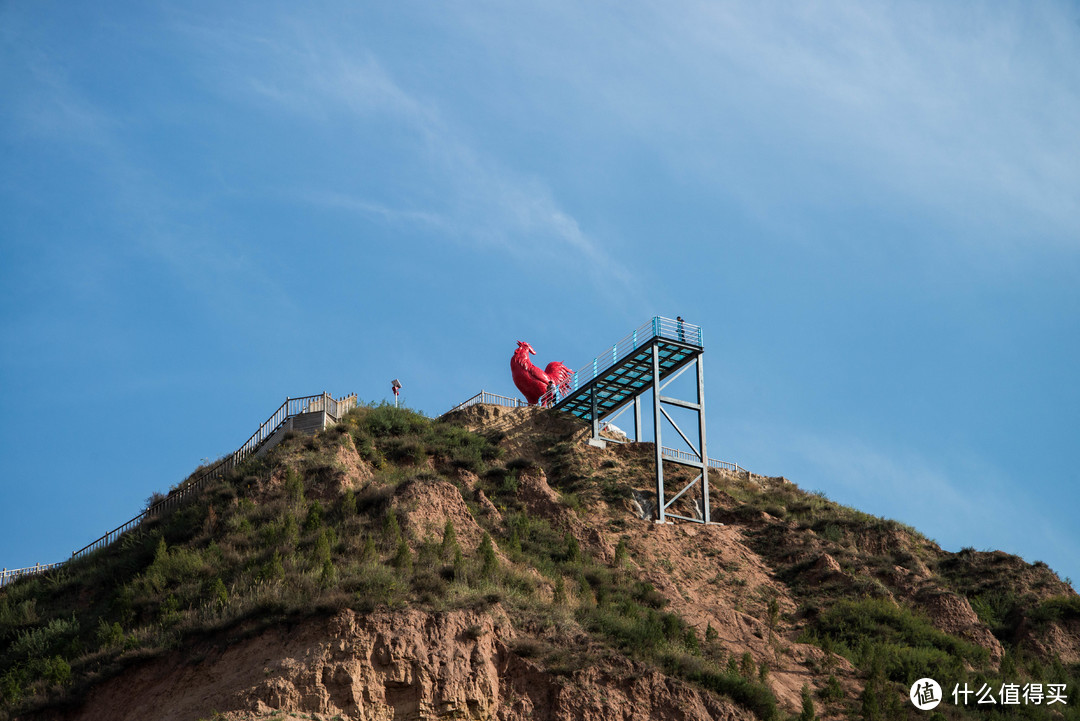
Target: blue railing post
{"x": 635, "y": 338}
{"x": 656, "y": 325}
{"x": 594, "y": 361}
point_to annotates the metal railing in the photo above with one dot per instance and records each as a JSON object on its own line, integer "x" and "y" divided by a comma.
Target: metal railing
{"x": 489, "y": 399}
{"x": 657, "y": 327}
{"x": 9, "y": 575}
{"x": 291, "y": 407}
{"x": 677, "y": 455}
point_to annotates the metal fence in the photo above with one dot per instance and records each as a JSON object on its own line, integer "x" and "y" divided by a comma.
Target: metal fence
{"x": 677, "y": 455}
{"x": 9, "y": 575}
{"x": 291, "y": 407}
{"x": 489, "y": 399}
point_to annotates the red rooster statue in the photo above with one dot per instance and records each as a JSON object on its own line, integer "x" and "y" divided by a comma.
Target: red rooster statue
{"x": 530, "y": 380}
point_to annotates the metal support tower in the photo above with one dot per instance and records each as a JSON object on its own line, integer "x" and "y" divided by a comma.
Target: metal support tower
{"x": 649, "y": 359}
{"x": 698, "y": 460}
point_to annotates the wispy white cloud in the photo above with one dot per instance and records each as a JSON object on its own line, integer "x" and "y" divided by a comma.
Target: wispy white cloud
{"x": 458, "y": 188}
{"x": 963, "y": 113}
{"x": 331, "y": 199}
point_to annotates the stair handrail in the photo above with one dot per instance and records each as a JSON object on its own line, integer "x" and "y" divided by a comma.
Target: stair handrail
{"x": 291, "y": 407}
{"x": 10, "y": 574}
{"x": 484, "y": 397}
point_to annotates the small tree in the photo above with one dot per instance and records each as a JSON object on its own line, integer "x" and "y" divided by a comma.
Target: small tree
{"x": 391, "y": 529}
{"x": 560, "y": 598}
{"x": 747, "y": 667}
{"x": 348, "y": 504}
{"x": 774, "y": 615}
{"x": 294, "y": 486}
{"x": 459, "y": 565}
{"x": 573, "y": 549}
{"x": 314, "y": 519}
{"x": 808, "y": 713}
{"x": 369, "y": 554}
{"x": 322, "y": 548}
{"x": 403, "y": 557}
{"x": 449, "y": 541}
{"x": 489, "y": 562}
{"x": 328, "y": 575}
{"x": 218, "y": 593}
{"x": 621, "y": 552}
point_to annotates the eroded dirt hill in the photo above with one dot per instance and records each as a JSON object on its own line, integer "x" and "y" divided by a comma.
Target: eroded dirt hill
{"x": 495, "y": 566}
{"x": 391, "y": 665}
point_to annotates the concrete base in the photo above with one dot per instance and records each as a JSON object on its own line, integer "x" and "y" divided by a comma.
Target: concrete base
{"x": 307, "y": 423}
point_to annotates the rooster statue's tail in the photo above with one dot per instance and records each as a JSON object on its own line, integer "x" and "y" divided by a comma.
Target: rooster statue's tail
{"x": 559, "y": 375}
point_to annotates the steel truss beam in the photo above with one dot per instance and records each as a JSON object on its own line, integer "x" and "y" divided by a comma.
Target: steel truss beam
{"x": 699, "y": 449}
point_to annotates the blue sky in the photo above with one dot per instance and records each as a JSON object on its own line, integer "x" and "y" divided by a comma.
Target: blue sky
{"x": 872, "y": 209}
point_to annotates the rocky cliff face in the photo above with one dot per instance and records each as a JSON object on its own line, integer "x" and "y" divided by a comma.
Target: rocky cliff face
{"x": 388, "y": 666}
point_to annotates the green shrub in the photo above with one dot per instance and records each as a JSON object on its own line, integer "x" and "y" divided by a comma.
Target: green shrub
{"x": 384, "y": 420}
{"x": 746, "y": 693}
{"x": 11, "y": 686}
{"x": 401, "y": 450}
{"x": 905, "y": 643}
{"x": 38, "y": 643}
{"x": 747, "y": 666}
{"x": 832, "y": 691}
{"x": 378, "y": 585}
{"x": 169, "y": 611}
{"x": 1055, "y": 608}
{"x": 109, "y": 634}
{"x": 174, "y": 566}
{"x": 510, "y": 484}
{"x": 57, "y": 670}
{"x": 273, "y": 569}
{"x": 219, "y": 595}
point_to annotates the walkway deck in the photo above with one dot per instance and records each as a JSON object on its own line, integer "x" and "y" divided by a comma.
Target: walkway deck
{"x": 627, "y": 370}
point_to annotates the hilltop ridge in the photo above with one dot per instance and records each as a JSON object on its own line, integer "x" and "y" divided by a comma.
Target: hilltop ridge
{"x": 492, "y": 564}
